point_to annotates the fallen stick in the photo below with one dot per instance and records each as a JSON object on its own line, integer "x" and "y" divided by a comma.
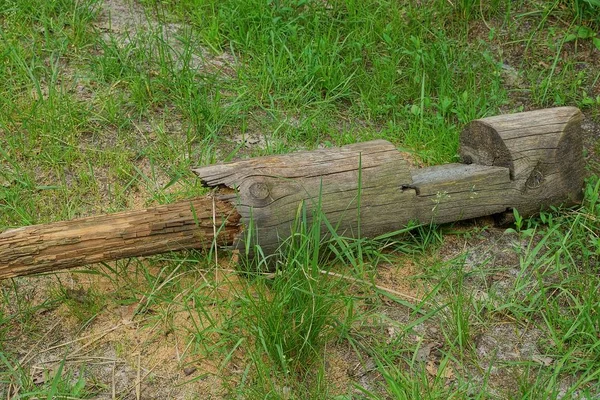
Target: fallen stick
{"x": 526, "y": 161}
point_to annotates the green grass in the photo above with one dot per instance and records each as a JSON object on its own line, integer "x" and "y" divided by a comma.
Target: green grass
{"x": 377, "y": 62}
{"x": 562, "y": 298}
{"x": 51, "y": 384}
{"x": 99, "y": 118}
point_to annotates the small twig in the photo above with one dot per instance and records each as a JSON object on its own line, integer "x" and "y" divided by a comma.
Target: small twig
{"x": 114, "y": 383}
{"x": 138, "y": 380}
{"x": 383, "y": 288}
{"x": 482, "y": 16}
{"x": 24, "y": 359}
{"x": 91, "y": 342}
{"x": 167, "y": 280}
{"x": 80, "y": 359}
{"x": 187, "y": 347}
{"x": 13, "y": 391}
{"x": 177, "y": 350}
{"x": 100, "y": 335}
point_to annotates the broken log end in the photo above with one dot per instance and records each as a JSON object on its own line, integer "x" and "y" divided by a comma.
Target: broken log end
{"x": 542, "y": 149}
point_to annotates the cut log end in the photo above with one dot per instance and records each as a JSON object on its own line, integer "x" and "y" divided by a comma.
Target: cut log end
{"x": 542, "y": 149}
{"x": 483, "y": 145}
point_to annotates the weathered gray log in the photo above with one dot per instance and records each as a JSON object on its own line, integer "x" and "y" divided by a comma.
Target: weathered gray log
{"x": 269, "y": 190}
{"x": 526, "y": 161}
{"x": 543, "y": 151}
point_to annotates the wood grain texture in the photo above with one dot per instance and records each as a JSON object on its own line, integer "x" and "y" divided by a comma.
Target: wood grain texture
{"x": 454, "y": 192}
{"x": 527, "y": 161}
{"x": 270, "y": 190}
{"x": 542, "y": 149}
{"x": 183, "y": 225}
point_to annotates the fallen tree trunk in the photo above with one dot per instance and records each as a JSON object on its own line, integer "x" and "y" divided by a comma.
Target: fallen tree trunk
{"x": 526, "y": 161}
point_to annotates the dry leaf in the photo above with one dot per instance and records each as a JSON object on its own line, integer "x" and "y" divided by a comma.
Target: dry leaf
{"x": 392, "y": 333}
{"x": 432, "y": 368}
{"x": 40, "y": 375}
{"x": 424, "y": 352}
{"x": 544, "y": 360}
{"x": 448, "y": 372}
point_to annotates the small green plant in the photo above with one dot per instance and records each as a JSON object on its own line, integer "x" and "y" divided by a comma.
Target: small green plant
{"x": 292, "y": 316}
{"x": 17, "y": 381}
{"x": 522, "y": 226}
{"x": 584, "y": 33}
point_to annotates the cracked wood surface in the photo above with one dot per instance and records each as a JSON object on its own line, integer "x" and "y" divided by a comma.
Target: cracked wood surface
{"x": 185, "y": 224}
{"x": 543, "y": 150}
{"x": 270, "y": 190}
{"x": 528, "y": 161}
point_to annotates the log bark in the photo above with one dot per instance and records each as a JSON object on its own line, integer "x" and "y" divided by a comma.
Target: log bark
{"x": 182, "y": 225}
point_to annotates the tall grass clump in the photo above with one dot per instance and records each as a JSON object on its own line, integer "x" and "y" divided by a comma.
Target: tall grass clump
{"x": 584, "y": 10}
{"x": 558, "y": 290}
{"x": 19, "y": 382}
{"x": 378, "y": 61}
{"x": 291, "y": 312}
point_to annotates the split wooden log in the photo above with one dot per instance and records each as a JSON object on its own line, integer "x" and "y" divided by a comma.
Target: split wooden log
{"x": 527, "y": 161}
